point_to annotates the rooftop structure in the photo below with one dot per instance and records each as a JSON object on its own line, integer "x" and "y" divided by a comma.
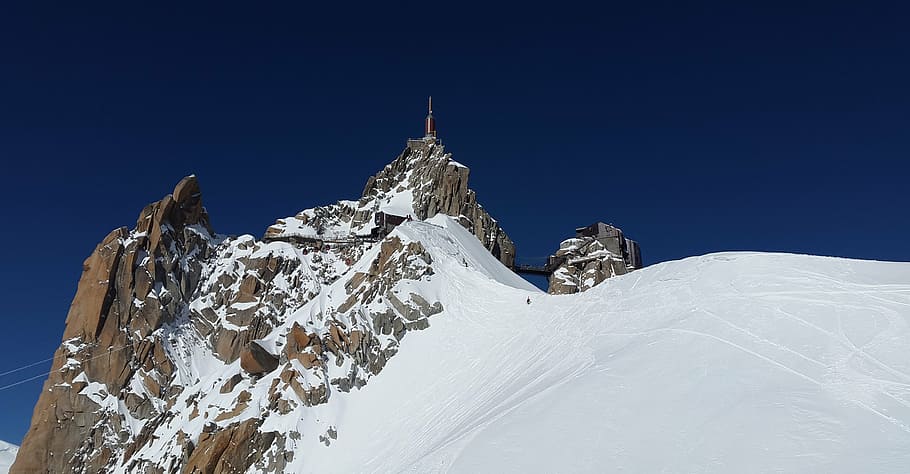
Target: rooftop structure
{"x": 612, "y": 238}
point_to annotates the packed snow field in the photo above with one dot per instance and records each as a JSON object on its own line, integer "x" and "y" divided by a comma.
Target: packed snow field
{"x": 7, "y": 455}
{"x": 731, "y": 362}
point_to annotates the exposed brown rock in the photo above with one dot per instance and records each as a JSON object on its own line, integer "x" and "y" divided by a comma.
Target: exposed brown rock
{"x": 305, "y": 348}
{"x": 230, "y": 383}
{"x": 115, "y": 311}
{"x": 133, "y": 307}
{"x": 251, "y": 280}
{"x": 231, "y": 450}
{"x": 249, "y": 286}
{"x": 242, "y": 402}
{"x": 94, "y": 294}
{"x": 187, "y": 208}
{"x": 256, "y": 360}
{"x": 438, "y": 184}
{"x": 310, "y": 396}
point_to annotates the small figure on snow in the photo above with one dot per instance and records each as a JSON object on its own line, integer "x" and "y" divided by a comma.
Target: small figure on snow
{"x": 529, "y": 300}
{"x": 463, "y": 260}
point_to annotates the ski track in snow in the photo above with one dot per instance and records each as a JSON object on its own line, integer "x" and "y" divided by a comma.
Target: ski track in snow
{"x": 729, "y": 362}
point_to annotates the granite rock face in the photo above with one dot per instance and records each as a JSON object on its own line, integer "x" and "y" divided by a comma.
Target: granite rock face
{"x": 180, "y": 343}
{"x": 132, "y": 285}
{"x": 254, "y": 359}
{"x": 182, "y": 347}
{"x": 421, "y": 182}
{"x": 597, "y": 252}
{"x": 586, "y": 264}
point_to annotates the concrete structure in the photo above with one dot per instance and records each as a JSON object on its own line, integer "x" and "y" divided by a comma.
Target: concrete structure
{"x": 597, "y": 252}
{"x": 386, "y": 223}
{"x": 613, "y": 240}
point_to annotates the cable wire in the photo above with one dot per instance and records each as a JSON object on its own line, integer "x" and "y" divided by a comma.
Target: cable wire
{"x": 26, "y": 366}
{"x": 106, "y": 354}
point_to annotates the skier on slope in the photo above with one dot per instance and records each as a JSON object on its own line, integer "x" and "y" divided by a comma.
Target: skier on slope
{"x": 529, "y": 300}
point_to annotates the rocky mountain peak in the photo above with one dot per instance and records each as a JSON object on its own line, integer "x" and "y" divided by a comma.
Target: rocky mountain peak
{"x": 180, "y": 209}
{"x": 421, "y": 182}
{"x": 133, "y": 284}
{"x": 179, "y": 341}
{"x": 188, "y": 208}
{"x": 434, "y": 181}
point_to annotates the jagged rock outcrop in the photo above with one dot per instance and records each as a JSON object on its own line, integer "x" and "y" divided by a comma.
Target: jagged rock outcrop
{"x": 585, "y": 264}
{"x": 421, "y": 182}
{"x": 597, "y": 252}
{"x": 254, "y": 359}
{"x": 174, "y": 330}
{"x": 250, "y": 284}
{"x": 131, "y": 285}
{"x": 234, "y": 450}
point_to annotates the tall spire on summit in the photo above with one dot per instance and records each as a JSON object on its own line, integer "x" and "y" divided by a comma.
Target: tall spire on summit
{"x": 430, "y": 123}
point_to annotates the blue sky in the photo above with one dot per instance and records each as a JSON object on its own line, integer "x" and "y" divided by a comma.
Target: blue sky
{"x": 695, "y": 128}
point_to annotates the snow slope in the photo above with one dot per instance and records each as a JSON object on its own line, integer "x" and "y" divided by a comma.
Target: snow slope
{"x": 732, "y": 362}
{"x": 7, "y": 456}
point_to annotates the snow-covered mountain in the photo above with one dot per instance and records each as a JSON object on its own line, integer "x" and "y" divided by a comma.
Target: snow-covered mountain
{"x": 7, "y": 455}
{"x": 732, "y": 362}
{"x": 172, "y": 325}
{"x": 341, "y": 344}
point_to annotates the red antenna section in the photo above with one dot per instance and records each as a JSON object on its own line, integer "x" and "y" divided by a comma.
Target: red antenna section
{"x": 430, "y": 123}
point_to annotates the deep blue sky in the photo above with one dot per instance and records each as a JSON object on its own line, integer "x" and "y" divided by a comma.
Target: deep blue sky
{"x": 694, "y": 127}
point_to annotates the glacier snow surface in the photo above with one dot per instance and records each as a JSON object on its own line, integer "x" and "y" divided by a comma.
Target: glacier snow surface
{"x": 731, "y": 362}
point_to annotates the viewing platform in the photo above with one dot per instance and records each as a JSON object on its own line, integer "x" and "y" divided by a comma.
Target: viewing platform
{"x": 538, "y": 266}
